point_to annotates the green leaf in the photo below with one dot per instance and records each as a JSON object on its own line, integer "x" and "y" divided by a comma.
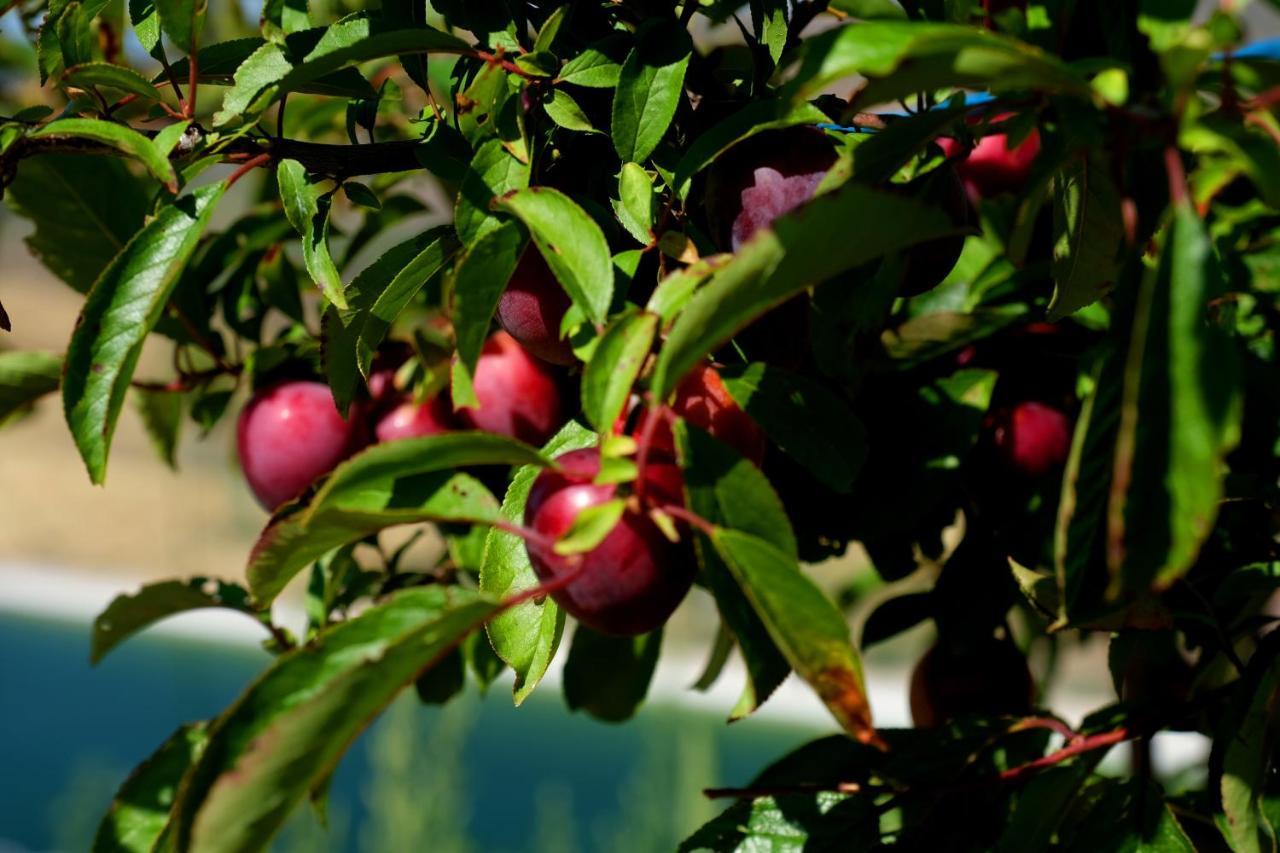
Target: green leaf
{"x": 167, "y": 139}
{"x": 180, "y": 20}
{"x": 572, "y": 244}
{"x": 1090, "y": 235}
{"x": 126, "y": 615}
{"x": 564, "y": 110}
{"x": 219, "y": 64}
{"x": 900, "y": 58}
{"x": 117, "y": 136}
{"x": 26, "y": 377}
{"x": 807, "y": 627}
{"x": 525, "y": 636}
{"x": 146, "y": 23}
{"x": 269, "y": 73}
{"x": 84, "y": 208}
{"x": 1250, "y": 744}
{"x": 614, "y": 366}
{"x": 870, "y": 10}
{"x": 401, "y": 482}
{"x": 111, "y": 76}
{"x": 802, "y": 417}
{"x": 140, "y": 811}
{"x": 118, "y": 314}
{"x": 308, "y": 212}
{"x": 595, "y": 67}
{"x": 494, "y": 172}
{"x": 636, "y": 202}
{"x": 726, "y": 489}
{"x": 161, "y": 413}
{"x": 769, "y": 21}
{"x": 1243, "y": 143}
{"x": 1180, "y": 416}
{"x": 360, "y": 194}
{"x": 590, "y": 527}
{"x": 790, "y": 824}
{"x": 375, "y": 298}
{"x": 608, "y": 677}
{"x": 779, "y": 262}
{"x": 288, "y": 730}
{"x": 650, "y": 86}
{"x": 754, "y": 118}
{"x": 478, "y": 281}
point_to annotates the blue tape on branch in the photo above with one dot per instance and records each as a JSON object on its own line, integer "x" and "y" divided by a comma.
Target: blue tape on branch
{"x": 1265, "y": 49}
{"x": 969, "y": 100}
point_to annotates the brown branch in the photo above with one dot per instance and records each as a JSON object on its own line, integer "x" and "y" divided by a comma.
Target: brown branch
{"x": 783, "y": 790}
{"x": 338, "y": 161}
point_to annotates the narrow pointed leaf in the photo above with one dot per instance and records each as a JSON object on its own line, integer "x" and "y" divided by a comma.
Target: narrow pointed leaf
{"x": 400, "y": 482}
{"x": 285, "y": 734}
{"x": 525, "y": 636}
{"x": 650, "y": 86}
{"x": 124, "y": 139}
{"x": 26, "y": 377}
{"x": 571, "y": 243}
{"x": 614, "y": 366}
{"x": 308, "y": 213}
{"x": 139, "y": 813}
{"x": 128, "y": 614}
{"x": 120, "y": 311}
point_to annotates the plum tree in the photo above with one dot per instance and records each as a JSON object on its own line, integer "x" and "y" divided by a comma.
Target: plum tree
{"x": 289, "y": 435}
{"x": 1031, "y": 437}
{"x": 987, "y": 677}
{"x": 635, "y": 577}
{"x": 703, "y": 401}
{"x": 532, "y": 308}
{"x": 519, "y": 396}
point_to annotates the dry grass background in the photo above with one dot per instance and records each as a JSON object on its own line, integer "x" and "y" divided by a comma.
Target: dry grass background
{"x": 147, "y": 521}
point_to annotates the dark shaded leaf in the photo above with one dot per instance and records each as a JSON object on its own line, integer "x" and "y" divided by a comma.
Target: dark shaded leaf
{"x": 608, "y": 677}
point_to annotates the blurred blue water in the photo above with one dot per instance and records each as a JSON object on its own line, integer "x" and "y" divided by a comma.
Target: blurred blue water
{"x": 69, "y": 733}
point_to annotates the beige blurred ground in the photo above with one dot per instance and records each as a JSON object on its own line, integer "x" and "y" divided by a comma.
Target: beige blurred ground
{"x": 147, "y": 521}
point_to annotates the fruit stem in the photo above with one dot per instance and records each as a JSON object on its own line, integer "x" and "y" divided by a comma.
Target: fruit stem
{"x": 690, "y": 518}
{"x": 645, "y": 442}
{"x": 528, "y": 534}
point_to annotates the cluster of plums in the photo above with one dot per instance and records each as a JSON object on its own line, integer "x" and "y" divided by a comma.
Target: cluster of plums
{"x": 291, "y": 434}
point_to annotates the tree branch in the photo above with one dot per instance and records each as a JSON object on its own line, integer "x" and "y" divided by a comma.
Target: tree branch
{"x": 339, "y": 161}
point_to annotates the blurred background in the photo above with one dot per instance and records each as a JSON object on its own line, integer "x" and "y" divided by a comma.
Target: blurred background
{"x": 476, "y": 775}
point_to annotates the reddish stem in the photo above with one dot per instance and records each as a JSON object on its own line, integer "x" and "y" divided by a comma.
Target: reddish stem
{"x": 688, "y": 517}
{"x": 1178, "y": 193}
{"x": 528, "y": 534}
{"x": 250, "y": 164}
{"x": 1053, "y": 724}
{"x": 645, "y": 442}
{"x": 193, "y": 80}
{"x": 1082, "y": 744}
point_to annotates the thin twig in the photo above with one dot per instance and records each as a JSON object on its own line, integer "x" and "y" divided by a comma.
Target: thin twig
{"x": 249, "y": 165}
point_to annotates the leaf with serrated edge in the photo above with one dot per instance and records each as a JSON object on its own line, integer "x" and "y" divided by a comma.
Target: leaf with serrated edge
{"x": 614, "y": 366}
{"x": 400, "y": 482}
{"x": 128, "y": 614}
{"x": 308, "y": 213}
{"x": 117, "y": 316}
{"x": 288, "y": 730}
{"x": 650, "y": 86}
{"x": 525, "y": 636}
{"x": 478, "y": 281}
{"x": 124, "y": 139}
{"x": 807, "y": 627}
{"x": 494, "y": 172}
{"x": 26, "y": 377}
{"x": 140, "y": 811}
{"x": 572, "y": 244}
